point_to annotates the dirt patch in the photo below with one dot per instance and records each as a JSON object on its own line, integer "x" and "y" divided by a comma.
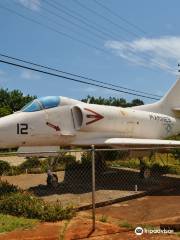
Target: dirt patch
{"x": 157, "y": 209}
{"x": 80, "y": 228}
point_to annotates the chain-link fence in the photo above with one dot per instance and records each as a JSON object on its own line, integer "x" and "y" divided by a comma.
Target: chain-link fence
{"x": 119, "y": 175}
{"x": 123, "y": 175}
{"x": 90, "y": 178}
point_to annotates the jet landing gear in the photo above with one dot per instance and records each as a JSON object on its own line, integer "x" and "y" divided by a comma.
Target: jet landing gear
{"x": 144, "y": 173}
{"x": 52, "y": 179}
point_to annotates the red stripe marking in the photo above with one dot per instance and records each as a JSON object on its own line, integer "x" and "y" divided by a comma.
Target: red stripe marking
{"x": 57, "y": 128}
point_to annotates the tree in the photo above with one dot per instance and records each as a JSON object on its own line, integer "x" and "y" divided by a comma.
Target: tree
{"x": 4, "y": 111}
{"x": 112, "y": 101}
{"x": 12, "y": 101}
{"x": 137, "y": 102}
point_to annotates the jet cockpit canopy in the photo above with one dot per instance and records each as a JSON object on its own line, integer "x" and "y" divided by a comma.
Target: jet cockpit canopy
{"x": 41, "y": 104}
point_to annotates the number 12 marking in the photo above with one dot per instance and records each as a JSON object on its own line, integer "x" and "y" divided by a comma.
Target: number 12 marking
{"x": 22, "y": 128}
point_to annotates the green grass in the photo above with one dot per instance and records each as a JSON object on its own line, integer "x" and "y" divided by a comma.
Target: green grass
{"x": 62, "y": 234}
{"x": 103, "y": 218}
{"x": 9, "y": 223}
{"x": 160, "y": 162}
{"x": 125, "y": 224}
{"x": 178, "y": 234}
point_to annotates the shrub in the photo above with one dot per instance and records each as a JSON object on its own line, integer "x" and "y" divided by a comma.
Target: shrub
{"x": 126, "y": 224}
{"x": 156, "y": 168}
{"x": 15, "y": 170}
{"x": 56, "y": 212}
{"x": 4, "y": 167}
{"x": 103, "y": 218}
{"x": 57, "y": 163}
{"x": 86, "y": 157}
{"x": 174, "y": 169}
{"x": 69, "y": 158}
{"x": 21, "y": 204}
{"x": 6, "y": 188}
{"x": 27, "y": 205}
{"x": 31, "y": 162}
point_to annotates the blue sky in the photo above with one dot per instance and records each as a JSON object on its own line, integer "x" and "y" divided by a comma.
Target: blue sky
{"x": 143, "y": 61}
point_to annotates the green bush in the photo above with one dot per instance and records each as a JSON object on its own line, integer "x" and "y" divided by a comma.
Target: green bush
{"x": 56, "y": 212}
{"x": 174, "y": 169}
{"x": 68, "y": 158}
{"x": 4, "y": 167}
{"x": 6, "y": 188}
{"x": 15, "y": 202}
{"x": 31, "y": 162}
{"x": 15, "y": 170}
{"x": 157, "y": 168}
{"x": 35, "y": 165}
{"x": 86, "y": 157}
{"x": 27, "y": 205}
{"x": 57, "y": 163}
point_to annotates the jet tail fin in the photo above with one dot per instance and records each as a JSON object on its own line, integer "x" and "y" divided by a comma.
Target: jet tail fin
{"x": 169, "y": 104}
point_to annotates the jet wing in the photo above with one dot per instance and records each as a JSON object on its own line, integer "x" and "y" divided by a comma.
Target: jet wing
{"x": 136, "y": 143}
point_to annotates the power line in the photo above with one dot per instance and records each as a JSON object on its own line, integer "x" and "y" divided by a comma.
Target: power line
{"x": 86, "y": 20}
{"x": 127, "y": 22}
{"x": 86, "y": 23}
{"x": 113, "y": 85}
{"x": 126, "y": 30}
{"x": 107, "y": 19}
{"x": 64, "y": 34}
{"x": 75, "y": 75}
{"x": 67, "y": 20}
{"x": 60, "y": 32}
{"x": 47, "y": 18}
{"x": 73, "y": 79}
{"x": 53, "y": 29}
{"x": 120, "y": 17}
{"x": 79, "y": 18}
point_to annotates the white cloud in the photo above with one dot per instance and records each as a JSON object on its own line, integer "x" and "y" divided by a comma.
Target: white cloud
{"x": 163, "y": 52}
{"x": 29, "y": 75}
{"x": 31, "y": 4}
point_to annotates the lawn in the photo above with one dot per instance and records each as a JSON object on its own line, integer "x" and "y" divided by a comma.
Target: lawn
{"x": 166, "y": 160}
{"x": 9, "y": 223}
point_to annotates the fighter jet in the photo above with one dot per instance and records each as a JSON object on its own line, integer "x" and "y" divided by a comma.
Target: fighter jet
{"x": 61, "y": 121}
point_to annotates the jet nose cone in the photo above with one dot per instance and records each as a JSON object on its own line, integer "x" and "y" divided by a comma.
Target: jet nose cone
{"x": 8, "y": 132}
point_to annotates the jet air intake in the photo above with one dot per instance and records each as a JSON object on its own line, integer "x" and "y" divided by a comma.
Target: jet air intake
{"x": 98, "y": 118}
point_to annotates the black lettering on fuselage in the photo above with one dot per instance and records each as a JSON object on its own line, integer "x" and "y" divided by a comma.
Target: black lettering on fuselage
{"x": 22, "y": 128}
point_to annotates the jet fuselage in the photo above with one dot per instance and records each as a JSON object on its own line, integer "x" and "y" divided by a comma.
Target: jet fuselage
{"x": 76, "y": 123}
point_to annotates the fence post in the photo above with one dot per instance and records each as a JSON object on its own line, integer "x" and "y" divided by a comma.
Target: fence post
{"x": 93, "y": 189}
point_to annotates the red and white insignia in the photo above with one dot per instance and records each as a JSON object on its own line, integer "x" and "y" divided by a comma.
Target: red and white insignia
{"x": 93, "y": 115}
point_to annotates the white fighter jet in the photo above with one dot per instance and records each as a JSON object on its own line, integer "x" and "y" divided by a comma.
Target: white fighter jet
{"x": 61, "y": 121}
